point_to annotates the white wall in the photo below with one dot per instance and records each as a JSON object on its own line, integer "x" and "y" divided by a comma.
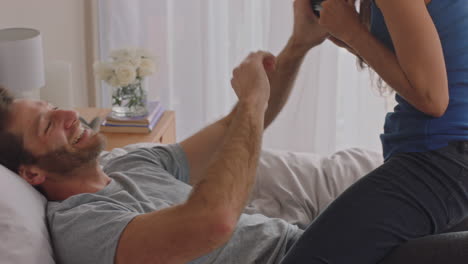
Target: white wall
{"x": 63, "y": 28}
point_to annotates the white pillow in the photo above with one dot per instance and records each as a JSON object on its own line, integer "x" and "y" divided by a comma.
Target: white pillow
{"x": 23, "y": 227}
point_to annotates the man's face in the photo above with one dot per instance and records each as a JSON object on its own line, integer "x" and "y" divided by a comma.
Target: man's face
{"x": 56, "y": 137}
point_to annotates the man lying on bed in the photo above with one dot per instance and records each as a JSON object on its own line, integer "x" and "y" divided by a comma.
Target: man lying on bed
{"x": 170, "y": 204}
{"x": 141, "y": 208}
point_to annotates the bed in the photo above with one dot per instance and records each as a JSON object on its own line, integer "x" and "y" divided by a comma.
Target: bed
{"x": 293, "y": 186}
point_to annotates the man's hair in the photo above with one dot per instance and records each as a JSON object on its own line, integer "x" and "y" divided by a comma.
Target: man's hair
{"x": 12, "y": 151}
{"x": 6, "y": 99}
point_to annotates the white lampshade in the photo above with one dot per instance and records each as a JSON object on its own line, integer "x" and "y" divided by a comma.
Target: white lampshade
{"x": 21, "y": 61}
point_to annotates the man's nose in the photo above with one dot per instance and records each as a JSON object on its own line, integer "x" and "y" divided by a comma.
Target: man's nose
{"x": 69, "y": 117}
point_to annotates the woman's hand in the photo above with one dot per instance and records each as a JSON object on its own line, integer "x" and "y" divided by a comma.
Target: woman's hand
{"x": 341, "y": 19}
{"x": 307, "y": 32}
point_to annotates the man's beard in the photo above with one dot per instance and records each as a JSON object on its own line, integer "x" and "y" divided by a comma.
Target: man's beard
{"x": 65, "y": 160}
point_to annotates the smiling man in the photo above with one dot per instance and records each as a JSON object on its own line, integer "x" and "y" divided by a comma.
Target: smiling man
{"x": 57, "y": 149}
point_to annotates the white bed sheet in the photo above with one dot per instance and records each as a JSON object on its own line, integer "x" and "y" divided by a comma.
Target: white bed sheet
{"x": 297, "y": 186}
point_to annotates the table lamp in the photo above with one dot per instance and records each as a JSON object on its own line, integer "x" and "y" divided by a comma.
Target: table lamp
{"x": 21, "y": 62}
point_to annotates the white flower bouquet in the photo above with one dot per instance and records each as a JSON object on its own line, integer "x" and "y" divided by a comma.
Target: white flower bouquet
{"x": 125, "y": 73}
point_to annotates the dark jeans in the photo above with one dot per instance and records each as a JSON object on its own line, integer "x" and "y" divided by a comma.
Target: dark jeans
{"x": 410, "y": 196}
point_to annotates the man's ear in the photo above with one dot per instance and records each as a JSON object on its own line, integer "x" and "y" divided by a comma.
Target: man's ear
{"x": 32, "y": 174}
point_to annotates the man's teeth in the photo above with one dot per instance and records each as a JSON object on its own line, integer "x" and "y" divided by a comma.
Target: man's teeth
{"x": 78, "y": 138}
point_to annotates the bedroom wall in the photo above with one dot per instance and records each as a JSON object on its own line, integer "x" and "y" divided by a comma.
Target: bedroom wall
{"x": 67, "y": 40}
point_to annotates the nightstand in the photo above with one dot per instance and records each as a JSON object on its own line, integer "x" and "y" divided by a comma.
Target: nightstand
{"x": 164, "y": 132}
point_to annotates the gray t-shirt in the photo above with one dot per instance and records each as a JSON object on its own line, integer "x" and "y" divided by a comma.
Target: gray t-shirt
{"x": 86, "y": 227}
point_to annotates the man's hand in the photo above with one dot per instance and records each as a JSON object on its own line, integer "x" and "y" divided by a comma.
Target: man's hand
{"x": 307, "y": 32}
{"x": 250, "y": 80}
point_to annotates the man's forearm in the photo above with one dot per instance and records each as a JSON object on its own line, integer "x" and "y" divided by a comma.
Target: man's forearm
{"x": 200, "y": 147}
{"x": 283, "y": 78}
{"x": 230, "y": 176}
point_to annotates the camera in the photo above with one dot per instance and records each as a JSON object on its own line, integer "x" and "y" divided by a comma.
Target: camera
{"x": 316, "y": 6}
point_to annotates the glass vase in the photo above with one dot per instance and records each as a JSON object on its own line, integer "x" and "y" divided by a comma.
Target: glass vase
{"x": 129, "y": 101}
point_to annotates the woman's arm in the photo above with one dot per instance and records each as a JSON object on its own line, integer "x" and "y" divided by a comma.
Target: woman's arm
{"x": 307, "y": 33}
{"x": 417, "y": 70}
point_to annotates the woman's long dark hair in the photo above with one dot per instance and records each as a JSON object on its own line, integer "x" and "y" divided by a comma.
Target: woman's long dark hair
{"x": 365, "y": 17}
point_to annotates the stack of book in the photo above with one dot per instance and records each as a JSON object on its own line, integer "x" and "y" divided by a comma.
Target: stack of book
{"x": 143, "y": 124}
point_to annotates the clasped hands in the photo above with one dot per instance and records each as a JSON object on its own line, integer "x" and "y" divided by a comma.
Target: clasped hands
{"x": 339, "y": 22}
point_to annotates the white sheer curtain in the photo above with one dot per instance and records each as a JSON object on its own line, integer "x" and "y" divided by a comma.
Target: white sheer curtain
{"x": 199, "y": 42}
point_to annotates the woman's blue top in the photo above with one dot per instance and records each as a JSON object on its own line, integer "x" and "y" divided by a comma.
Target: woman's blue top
{"x": 410, "y": 130}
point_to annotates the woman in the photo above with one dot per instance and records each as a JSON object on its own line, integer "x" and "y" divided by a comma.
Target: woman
{"x": 419, "y": 48}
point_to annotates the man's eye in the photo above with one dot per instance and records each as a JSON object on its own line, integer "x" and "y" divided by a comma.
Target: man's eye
{"x": 48, "y": 126}
{"x": 50, "y": 123}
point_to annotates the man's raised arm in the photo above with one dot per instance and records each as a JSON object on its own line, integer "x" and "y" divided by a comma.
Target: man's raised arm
{"x": 207, "y": 220}
{"x": 307, "y": 33}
